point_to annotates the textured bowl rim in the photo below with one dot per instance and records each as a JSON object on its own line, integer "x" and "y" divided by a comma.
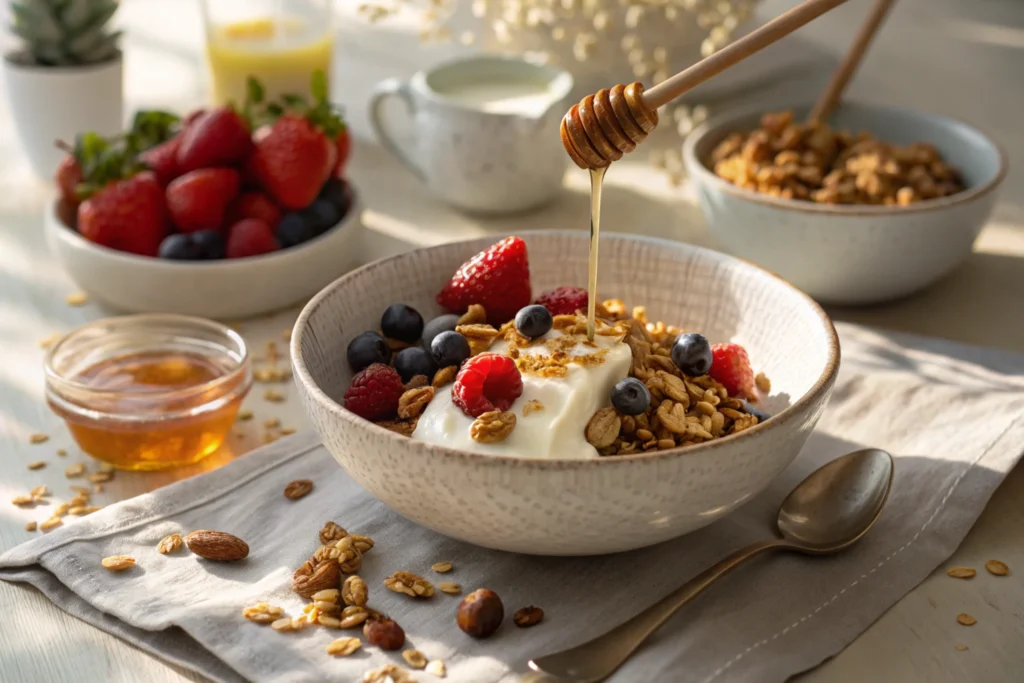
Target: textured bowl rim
{"x": 697, "y": 166}
{"x": 814, "y": 395}
{"x": 65, "y": 233}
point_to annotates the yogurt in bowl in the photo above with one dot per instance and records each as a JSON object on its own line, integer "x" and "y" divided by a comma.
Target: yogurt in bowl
{"x": 538, "y": 497}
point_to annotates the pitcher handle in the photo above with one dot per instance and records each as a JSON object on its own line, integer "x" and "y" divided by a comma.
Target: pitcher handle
{"x": 381, "y": 92}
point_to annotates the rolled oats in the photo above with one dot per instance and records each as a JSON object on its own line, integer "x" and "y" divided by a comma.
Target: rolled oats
{"x": 961, "y": 572}
{"x": 328, "y": 621}
{"x": 353, "y": 616}
{"x": 441, "y": 567}
{"x": 263, "y": 613}
{"x": 416, "y": 382}
{"x": 118, "y": 563}
{"x": 532, "y": 406}
{"x": 435, "y": 667}
{"x": 493, "y": 426}
{"x": 388, "y": 673}
{"x": 966, "y": 619}
{"x": 51, "y": 523}
{"x": 343, "y": 647}
{"x": 413, "y": 402}
{"x": 476, "y": 314}
{"x": 449, "y": 587}
{"x": 76, "y": 470}
{"x": 410, "y": 584}
{"x": 30, "y": 526}
{"x": 997, "y": 568}
{"x": 37, "y": 465}
{"x": 414, "y": 658}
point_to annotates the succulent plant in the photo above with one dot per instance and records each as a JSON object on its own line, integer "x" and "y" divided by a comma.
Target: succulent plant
{"x": 65, "y": 32}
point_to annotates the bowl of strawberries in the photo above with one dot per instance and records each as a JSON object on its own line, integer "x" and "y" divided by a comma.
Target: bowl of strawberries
{"x": 224, "y": 213}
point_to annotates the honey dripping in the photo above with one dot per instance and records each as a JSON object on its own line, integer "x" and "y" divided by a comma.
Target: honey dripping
{"x": 168, "y": 385}
{"x": 596, "y": 132}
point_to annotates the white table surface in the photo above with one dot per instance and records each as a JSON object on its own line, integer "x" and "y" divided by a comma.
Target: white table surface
{"x": 931, "y": 56}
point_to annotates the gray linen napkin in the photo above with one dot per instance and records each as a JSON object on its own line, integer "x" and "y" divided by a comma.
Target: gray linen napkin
{"x": 951, "y": 414}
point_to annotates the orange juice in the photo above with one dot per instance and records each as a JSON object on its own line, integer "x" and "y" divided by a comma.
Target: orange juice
{"x": 282, "y": 53}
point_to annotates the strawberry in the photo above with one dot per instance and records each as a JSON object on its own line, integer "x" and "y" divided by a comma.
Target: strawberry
{"x": 199, "y": 199}
{"x": 68, "y": 175}
{"x": 344, "y": 146}
{"x": 564, "y": 300}
{"x": 250, "y": 237}
{"x": 218, "y": 137}
{"x": 127, "y": 215}
{"x": 254, "y": 205}
{"x": 497, "y": 278}
{"x": 163, "y": 160}
{"x": 291, "y": 162}
{"x": 730, "y": 365}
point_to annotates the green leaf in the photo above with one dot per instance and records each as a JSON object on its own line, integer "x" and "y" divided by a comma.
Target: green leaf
{"x": 318, "y": 86}
{"x": 255, "y": 91}
{"x": 295, "y": 101}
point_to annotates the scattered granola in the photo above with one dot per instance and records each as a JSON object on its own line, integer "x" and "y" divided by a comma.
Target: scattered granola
{"x": 403, "y": 427}
{"x": 960, "y": 647}
{"x": 493, "y": 426}
{"x": 528, "y": 616}
{"x": 169, "y": 544}
{"x": 449, "y": 587}
{"x": 474, "y": 315}
{"x": 410, "y": 584}
{"x": 30, "y": 526}
{"x": 414, "y": 658}
{"x": 444, "y": 376}
{"x": 762, "y": 382}
{"x": 441, "y": 567}
{"x": 100, "y": 477}
{"x": 76, "y": 299}
{"x": 416, "y": 382}
{"x": 997, "y": 568}
{"x": 263, "y": 613}
{"x": 961, "y": 572}
{"x": 812, "y": 162}
{"x": 343, "y": 647}
{"x": 51, "y": 523}
{"x": 273, "y": 396}
{"x": 244, "y": 415}
{"x": 966, "y": 619}
{"x": 298, "y": 489}
{"x": 353, "y": 616}
{"x": 435, "y": 667}
{"x": 118, "y": 563}
{"x": 37, "y": 465}
{"x": 388, "y": 673}
{"x": 38, "y": 438}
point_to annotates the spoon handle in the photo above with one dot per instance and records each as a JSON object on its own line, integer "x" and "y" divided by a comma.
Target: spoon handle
{"x": 598, "y": 658}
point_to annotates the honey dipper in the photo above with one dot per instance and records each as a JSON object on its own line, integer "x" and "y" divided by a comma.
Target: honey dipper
{"x": 612, "y": 122}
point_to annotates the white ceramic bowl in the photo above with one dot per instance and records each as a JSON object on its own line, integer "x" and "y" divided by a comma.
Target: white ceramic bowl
{"x": 576, "y": 507}
{"x": 223, "y": 289}
{"x": 853, "y": 254}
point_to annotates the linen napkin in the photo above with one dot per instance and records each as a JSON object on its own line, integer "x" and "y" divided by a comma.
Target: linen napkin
{"x": 951, "y": 414}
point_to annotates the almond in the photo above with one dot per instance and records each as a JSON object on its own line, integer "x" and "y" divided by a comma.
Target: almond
{"x": 217, "y": 545}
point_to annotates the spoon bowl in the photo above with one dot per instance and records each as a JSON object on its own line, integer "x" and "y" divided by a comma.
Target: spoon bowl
{"x": 837, "y": 503}
{"x": 828, "y": 511}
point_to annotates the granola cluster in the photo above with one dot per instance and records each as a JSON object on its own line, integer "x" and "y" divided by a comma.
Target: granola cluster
{"x": 793, "y": 160}
{"x": 684, "y": 411}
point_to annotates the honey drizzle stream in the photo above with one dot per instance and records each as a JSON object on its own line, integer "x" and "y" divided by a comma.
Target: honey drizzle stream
{"x": 596, "y": 181}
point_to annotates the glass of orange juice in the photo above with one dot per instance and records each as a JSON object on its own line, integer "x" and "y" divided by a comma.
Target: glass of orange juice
{"x": 279, "y": 42}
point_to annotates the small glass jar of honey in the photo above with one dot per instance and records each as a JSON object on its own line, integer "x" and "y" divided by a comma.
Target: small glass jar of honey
{"x": 149, "y": 392}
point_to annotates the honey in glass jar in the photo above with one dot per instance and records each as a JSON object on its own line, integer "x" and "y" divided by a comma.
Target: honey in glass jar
{"x": 149, "y": 392}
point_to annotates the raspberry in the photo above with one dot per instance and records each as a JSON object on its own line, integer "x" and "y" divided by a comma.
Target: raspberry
{"x": 564, "y": 300}
{"x": 487, "y": 382}
{"x": 374, "y": 392}
{"x": 731, "y": 366}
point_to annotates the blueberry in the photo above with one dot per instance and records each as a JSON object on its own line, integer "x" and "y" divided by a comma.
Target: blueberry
{"x": 335, "y": 191}
{"x": 442, "y": 323}
{"x": 367, "y": 349}
{"x": 210, "y": 243}
{"x": 294, "y": 229}
{"x": 533, "y": 321}
{"x": 321, "y": 215}
{"x": 631, "y": 397}
{"x": 449, "y": 348}
{"x": 692, "y": 354}
{"x": 179, "y": 247}
{"x": 760, "y": 414}
{"x": 402, "y": 322}
{"x": 414, "y": 361}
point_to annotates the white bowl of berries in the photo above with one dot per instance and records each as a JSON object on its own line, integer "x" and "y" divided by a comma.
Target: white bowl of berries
{"x": 222, "y": 214}
{"x": 499, "y": 416}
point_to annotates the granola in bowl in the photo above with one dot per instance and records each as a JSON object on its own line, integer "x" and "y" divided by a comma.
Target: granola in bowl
{"x": 533, "y": 381}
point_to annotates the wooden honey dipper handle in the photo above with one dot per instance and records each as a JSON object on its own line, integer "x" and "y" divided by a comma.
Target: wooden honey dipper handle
{"x": 612, "y": 122}
{"x": 755, "y": 41}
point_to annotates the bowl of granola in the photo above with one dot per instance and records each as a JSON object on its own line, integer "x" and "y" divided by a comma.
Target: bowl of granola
{"x": 877, "y": 204}
{"x": 463, "y": 386}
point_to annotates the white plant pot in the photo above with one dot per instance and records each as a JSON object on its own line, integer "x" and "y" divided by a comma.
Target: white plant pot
{"x": 58, "y": 102}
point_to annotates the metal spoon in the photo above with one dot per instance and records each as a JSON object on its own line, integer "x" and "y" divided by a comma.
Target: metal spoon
{"x": 827, "y": 512}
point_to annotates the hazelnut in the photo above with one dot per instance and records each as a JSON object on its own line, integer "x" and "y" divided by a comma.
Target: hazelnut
{"x": 480, "y": 613}
{"x": 384, "y": 632}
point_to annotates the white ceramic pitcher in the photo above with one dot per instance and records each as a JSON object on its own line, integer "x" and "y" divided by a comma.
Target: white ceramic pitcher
{"x": 485, "y": 131}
